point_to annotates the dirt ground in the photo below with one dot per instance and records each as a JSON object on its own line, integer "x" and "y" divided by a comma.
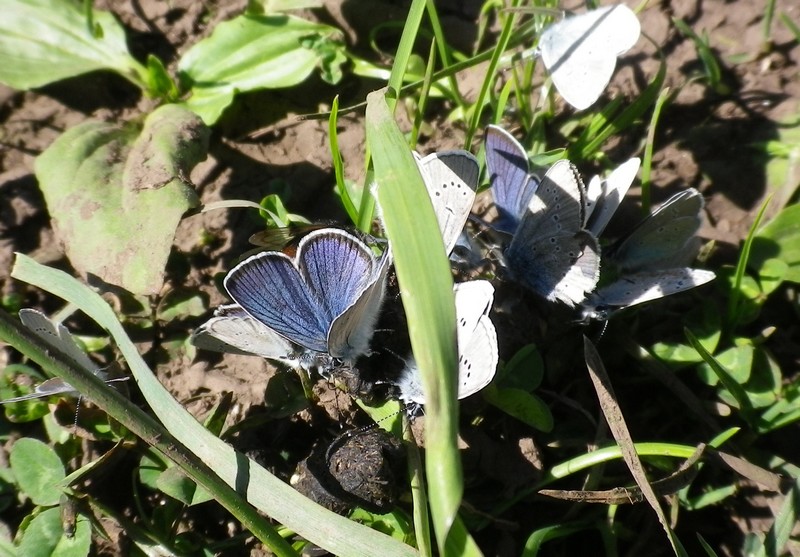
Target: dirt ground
{"x": 705, "y": 140}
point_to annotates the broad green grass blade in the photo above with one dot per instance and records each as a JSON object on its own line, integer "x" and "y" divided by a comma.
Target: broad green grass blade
{"x": 426, "y": 287}
{"x": 262, "y": 490}
{"x": 121, "y": 409}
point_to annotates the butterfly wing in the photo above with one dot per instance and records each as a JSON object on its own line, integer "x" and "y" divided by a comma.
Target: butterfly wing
{"x": 477, "y": 345}
{"x": 550, "y": 252}
{"x": 510, "y": 178}
{"x": 59, "y": 337}
{"x": 580, "y": 52}
{"x": 351, "y": 332}
{"x": 663, "y": 239}
{"x": 603, "y": 197}
{"x": 451, "y": 178}
{"x": 270, "y": 288}
{"x": 56, "y": 335}
{"x": 235, "y": 331}
{"x": 50, "y": 387}
{"x": 642, "y": 287}
{"x": 477, "y": 338}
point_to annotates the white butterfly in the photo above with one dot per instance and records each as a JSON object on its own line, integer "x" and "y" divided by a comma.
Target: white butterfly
{"x": 580, "y": 52}
{"x": 651, "y": 261}
{"x": 57, "y": 336}
{"x": 641, "y": 287}
{"x": 451, "y": 178}
{"x": 603, "y": 196}
{"x": 477, "y": 345}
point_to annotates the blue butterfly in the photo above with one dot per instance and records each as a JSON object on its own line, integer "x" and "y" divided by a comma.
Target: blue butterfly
{"x": 325, "y": 299}
{"x": 550, "y": 252}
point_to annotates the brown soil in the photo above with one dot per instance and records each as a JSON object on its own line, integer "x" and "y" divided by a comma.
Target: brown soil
{"x": 704, "y": 140}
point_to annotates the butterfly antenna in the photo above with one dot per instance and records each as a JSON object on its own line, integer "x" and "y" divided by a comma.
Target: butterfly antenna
{"x": 341, "y": 438}
{"x": 75, "y": 418}
{"x": 603, "y": 330}
{"x": 393, "y": 353}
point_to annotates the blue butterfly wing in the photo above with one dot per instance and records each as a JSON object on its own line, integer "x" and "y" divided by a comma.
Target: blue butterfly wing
{"x": 550, "y": 252}
{"x": 509, "y": 175}
{"x": 352, "y": 331}
{"x": 337, "y": 266}
{"x": 269, "y": 287}
{"x": 663, "y": 239}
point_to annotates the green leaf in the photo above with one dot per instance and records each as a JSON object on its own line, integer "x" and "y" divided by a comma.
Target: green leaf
{"x": 737, "y": 360}
{"x": 734, "y": 388}
{"x": 26, "y": 410}
{"x": 764, "y": 386}
{"x": 174, "y": 483}
{"x": 151, "y": 466}
{"x": 249, "y": 53}
{"x": 771, "y": 274}
{"x": 522, "y": 405}
{"x": 780, "y": 533}
{"x": 706, "y": 324}
{"x": 781, "y": 160}
{"x": 38, "y": 471}
{"x": 159, "y": 82}
{"x": 395, "y": 523}
{"x": 178, "y": 304}
{"x": 116, "y": 194}
{"x": 43, "y": 41}
{"x": 45, "y": 537}
{"x": 780, "y": 239}
{"x": 524, "y": 370}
